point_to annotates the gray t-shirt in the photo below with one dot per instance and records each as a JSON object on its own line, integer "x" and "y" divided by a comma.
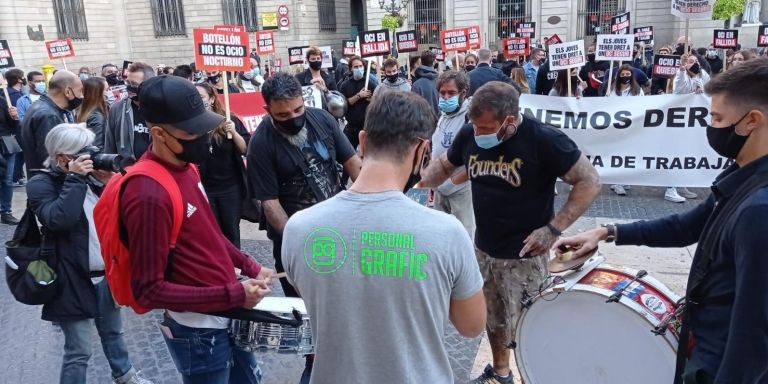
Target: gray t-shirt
{"x": 377, "y": 272}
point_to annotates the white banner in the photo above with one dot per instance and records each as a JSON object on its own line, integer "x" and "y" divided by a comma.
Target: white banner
{"x": 567, "y": 55}
{"x": 693, "y": 9}
{"x": 650, "y": 140}
{"x": 614, "y": 47}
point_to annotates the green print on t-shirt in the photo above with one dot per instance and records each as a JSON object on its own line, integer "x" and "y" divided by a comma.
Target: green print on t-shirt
{"x": 391, "y": 255}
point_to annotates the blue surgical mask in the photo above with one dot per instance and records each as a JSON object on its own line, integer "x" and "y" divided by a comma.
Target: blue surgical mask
{"x": 40, "y": 88}
{"x": 449, "y": 105}
{"x": 358, "y": 73}
{"x": 84, "y": 76}
{"x": 490, "y": 140}
{"x": 256, "y": 71}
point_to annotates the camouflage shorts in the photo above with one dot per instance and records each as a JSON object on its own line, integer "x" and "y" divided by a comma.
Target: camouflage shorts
{"x": 505, "y": 282}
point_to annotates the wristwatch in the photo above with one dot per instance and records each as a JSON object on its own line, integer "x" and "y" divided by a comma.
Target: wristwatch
{"x": 611, "y": 232}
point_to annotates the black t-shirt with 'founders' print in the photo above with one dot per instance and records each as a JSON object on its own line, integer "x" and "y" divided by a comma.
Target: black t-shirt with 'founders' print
{"x": 513, "y": 183}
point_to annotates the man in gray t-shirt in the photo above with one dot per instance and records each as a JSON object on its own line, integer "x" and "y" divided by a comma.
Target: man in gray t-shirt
{"x": 381, "y": 275}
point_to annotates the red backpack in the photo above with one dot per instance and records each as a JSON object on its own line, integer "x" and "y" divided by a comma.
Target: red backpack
{"x": 106, "y": 216}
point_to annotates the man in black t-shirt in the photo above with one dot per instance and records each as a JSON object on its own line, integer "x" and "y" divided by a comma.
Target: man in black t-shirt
{"x": 292, "y": 159}
{"x": 513, "y": 162}
{"x": 357, "y": 98}
{"x": 127, "y": 133}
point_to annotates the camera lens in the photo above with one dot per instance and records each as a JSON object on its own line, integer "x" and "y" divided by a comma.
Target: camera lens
{"x": 111, "y": 162}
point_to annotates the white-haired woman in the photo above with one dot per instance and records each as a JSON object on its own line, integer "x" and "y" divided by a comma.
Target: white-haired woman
{"x": 63, "y": 198}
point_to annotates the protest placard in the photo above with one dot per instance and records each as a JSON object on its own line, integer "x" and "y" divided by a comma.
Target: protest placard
{"x": 407, "y": 41}
{"x": 313, "y": 96}
{"x": 475, "y": 42}
{"x": 249, "y": 107}
{"x": 644, "y": 35}
{"x": 439, "y": 54}
{"x": 296, "y": 55}
{"x": 327, "y": 56}
{"x": 222, "y": 50}
{"x": 6, "y": 58}
{"x": 374, "y": 43}
{"x": 692, "y": 9}
{"x": 59, "y": 49}
{"x": 725, "y": 39}
{"x": 517, "y": 46}
{"x": 554, "y": 39}
{"x": 566, "y": 55}
{"x": 665, "y": 65}
{"x": 620, "y": 24}
{"x": 614, "y": 47}
{"x": 265, "y": 42}
{"x": 229, "y": 28}
{"x": 526, "y": 30}
{"x": 762, "y": 36}
{"x": 453, "y": 40}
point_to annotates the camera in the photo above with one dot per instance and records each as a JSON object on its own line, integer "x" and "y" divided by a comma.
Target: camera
{"x": 106, "y": 162}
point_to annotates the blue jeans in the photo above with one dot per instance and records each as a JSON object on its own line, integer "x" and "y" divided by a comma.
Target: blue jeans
{"x": 6, "y": 194}
{"x": 209, "y": 356}
{"x": 77, "y": 341}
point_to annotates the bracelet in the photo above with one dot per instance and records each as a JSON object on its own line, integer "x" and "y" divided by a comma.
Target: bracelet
{"x": 554, "y": 229}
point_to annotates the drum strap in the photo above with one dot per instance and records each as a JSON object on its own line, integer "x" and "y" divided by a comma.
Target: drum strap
{"x": 259, "y": 316}
{"x": 702, "y": 260}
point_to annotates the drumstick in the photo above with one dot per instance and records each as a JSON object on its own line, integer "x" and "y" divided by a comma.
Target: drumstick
{"x": 279, "y": 275}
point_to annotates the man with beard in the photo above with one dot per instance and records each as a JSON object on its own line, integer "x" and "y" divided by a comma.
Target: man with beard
{"x": 116, "y": 91}
{"x": 127, "y": 133}
{"x": 358, "y": 98}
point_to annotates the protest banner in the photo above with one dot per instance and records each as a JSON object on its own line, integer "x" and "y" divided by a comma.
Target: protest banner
{"x": 566, "y": 55}
{"x": 654, "y": 140}
{"x": 614, "y": 48}
{"x": 373, "y": 43}
{"x": 296, "y": 55}
{"x": 6, "y": 58}
{"x": 452, "y": 40}
{"x": 229, "y": 28}
{"x": 349, "y": 47}
{"x": 725, "y": 39}
{"x": 517, "y": 46}
{"x": 620, "y": 24}
{"x": 526, "y": 30}
{"x": 265, "y": 42}
{"x": 762, "y": 36}
{"x": 665, "y": 65}
{"x": 407, "y": 41}
{"x": 554, "y": 39}
{"x": 692, "y": 9}
{"x": 327, "y": 54}
{"x": 60, "y": 49}
{"x": 644, "y": 35}
{"x": 439, "y": 54}
{"x": 475, "y": 42}
{"x": 249, "y": 107}
{"x": 313, "y": 96}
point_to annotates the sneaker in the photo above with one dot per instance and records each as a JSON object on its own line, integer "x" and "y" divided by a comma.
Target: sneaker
{"x": 489, "y": 376}
{"x": 688, "y": 194}
{"x": 671, "y": 195}
{"x": 138, "y": 379}
{"x": 7, "y": 218}
{"x": 20, "y": 182}
{"x": 619, "y": 189}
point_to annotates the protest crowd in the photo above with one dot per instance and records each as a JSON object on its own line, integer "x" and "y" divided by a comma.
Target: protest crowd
{"x": 139, "y": 177}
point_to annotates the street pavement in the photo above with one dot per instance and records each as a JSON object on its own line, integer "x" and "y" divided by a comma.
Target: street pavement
{"x": 31, "y": 349}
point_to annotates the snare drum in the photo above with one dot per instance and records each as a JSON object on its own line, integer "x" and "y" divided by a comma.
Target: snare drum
{"x": 255, "y": 336}
{"x": 571, "y": 335}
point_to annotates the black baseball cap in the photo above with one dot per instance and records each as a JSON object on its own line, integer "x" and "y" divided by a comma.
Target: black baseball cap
{"x": 175, "y": 101}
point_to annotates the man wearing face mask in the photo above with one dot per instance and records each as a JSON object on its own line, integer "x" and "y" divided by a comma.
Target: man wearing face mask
{"x": 532, "y": 67}
{"x": 37, "y": 88}
{"x": 358, "y": 99}
{"x": 65, "y": 94}
{"x": 292, "y": 158}
{"x": 726, "y": 307}
{"x": 392, "y": 80}
{"x": 116, "y": 91}
{"x": 315, "y": 75}
{"x": 85, "y": 73}
{"x": 714, "y": 60}
{"x": 593, "y": 72}
{"x": 250, "y": 81}
{"x": 512, "y": 162}
{"x": 127, "y": 133}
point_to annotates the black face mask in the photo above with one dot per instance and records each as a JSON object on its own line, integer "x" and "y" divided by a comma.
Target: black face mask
{"x": 133, "y": 91}
{"x": 418, "y": 164}
{"x": 74, "y": 102}
{"x": 214, "y": 79}
{"x": 625, "y": 79}
{"x": 725, "y": 141}
{"x": 679, "y": 49}
{"x": 591, "y": 56}
{"x": 695, "y": 69}
{"x": 316, "y": 65}
{"x": 112, "y": 79}
{"x": 392, "y": 78}
{"x": 469, "y": 67}
{"x": 194, "y": 151}
{"x": 291, "y": 126}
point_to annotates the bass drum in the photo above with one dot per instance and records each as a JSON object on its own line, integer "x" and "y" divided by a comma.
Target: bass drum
{"x": 570, "y": 334}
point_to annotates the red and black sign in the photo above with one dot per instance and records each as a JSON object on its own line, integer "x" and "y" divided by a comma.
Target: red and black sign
{"x": 349, "y": 47}
{"x": 644, "y": 35}
{"x": 517, "y": 46}
{"x": 526, "y": 30}
{"x": 474, "y": 37}
{"x": 762, "y": 36}
{"x": 407, "y": 41}
{"x": 374, "y": 43}
{"x": 665, "y": 65}
{"x": 454, "y": 40}
{"x": 265, "y": 42}
{"x": 726, "y": 39}
{"x": 221, "y": 49}
{"x": 554, "y": 39}
{"x": 296, "y": 55}
{"x": 59, "y": 49}
{"x": 439, "y": 54}
{"x": 620, "y": 24}
{"x": 6, "y": 58}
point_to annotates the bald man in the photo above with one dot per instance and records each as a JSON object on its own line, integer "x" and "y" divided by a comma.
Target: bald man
{"x": 65, "y": 93}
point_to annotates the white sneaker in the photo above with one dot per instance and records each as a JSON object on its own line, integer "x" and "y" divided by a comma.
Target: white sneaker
{"x": 671, "y": 195}
{"x": 685, "y": 192}
{"x": 619, "y": 189}
{"x": 138, "y": 379}
{"x": 555, "y": 189}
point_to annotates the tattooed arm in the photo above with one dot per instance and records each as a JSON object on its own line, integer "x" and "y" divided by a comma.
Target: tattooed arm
{"x": 436, "y": 172}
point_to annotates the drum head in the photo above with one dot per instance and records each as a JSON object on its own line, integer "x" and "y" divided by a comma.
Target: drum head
{"x": 579, "y": 338}
{"x": 282, "y": 305}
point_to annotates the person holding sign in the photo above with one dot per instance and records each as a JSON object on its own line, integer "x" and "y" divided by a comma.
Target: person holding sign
{"x": 358, "y": 99}
{"x": 561, "y": 84}
{"x": 315, "y": 75}
{"x": 725, "y": 305}
{"x": 626, "y": 83}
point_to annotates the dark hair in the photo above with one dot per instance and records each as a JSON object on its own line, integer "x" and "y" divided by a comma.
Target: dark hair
{"x": 221, "y": 131}
{"x": 353, "y": 58}
{"x": 460, "y": 77}
{"x": 32, "y": 74}
{"x": 93, "y": 98}
{"x": 14, "y": 76}
{"x": 427, "y": 58}
{"x": 412, "y": 60}
{"x": 535, "y": 52}
{"x": 389, "y": 63}
{"x": 107, "y": 65}
{"x": 496, "y": 97}
{"x": 184, "y": 71}
{"x": 701, "y": 51}
{"x": 144, "y": 68}
{"x": 477, "y": 60}
{"x": 561, "y": 84}
{"x": 500, "y": 58}
{"x": 394, "y": 122}
{"x": 281, "y": 86}
{"x": 744, "y": 85}
{"x": 634, "y": 87}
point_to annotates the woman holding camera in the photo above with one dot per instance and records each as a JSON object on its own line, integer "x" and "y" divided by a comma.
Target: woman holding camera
{"x": 63, "y": 199}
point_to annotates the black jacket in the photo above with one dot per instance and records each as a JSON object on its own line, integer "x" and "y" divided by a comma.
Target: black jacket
{"x": 40, "y": 118}
{"x": 425, "y": 85}
{"x": 305, "y": 78}
{"x": 98, "y": 124}
{"x": 7, "y": 124}
{"x": 484, "y": 74}
{"x": 356, "y": 113}
{"x": 57, "y": 200}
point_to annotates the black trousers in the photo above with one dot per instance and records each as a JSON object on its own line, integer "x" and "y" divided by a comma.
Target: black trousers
{"x": 351, "y": 132}
{"x": 226, "y": 206}
{"x": 288, "y": 289}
